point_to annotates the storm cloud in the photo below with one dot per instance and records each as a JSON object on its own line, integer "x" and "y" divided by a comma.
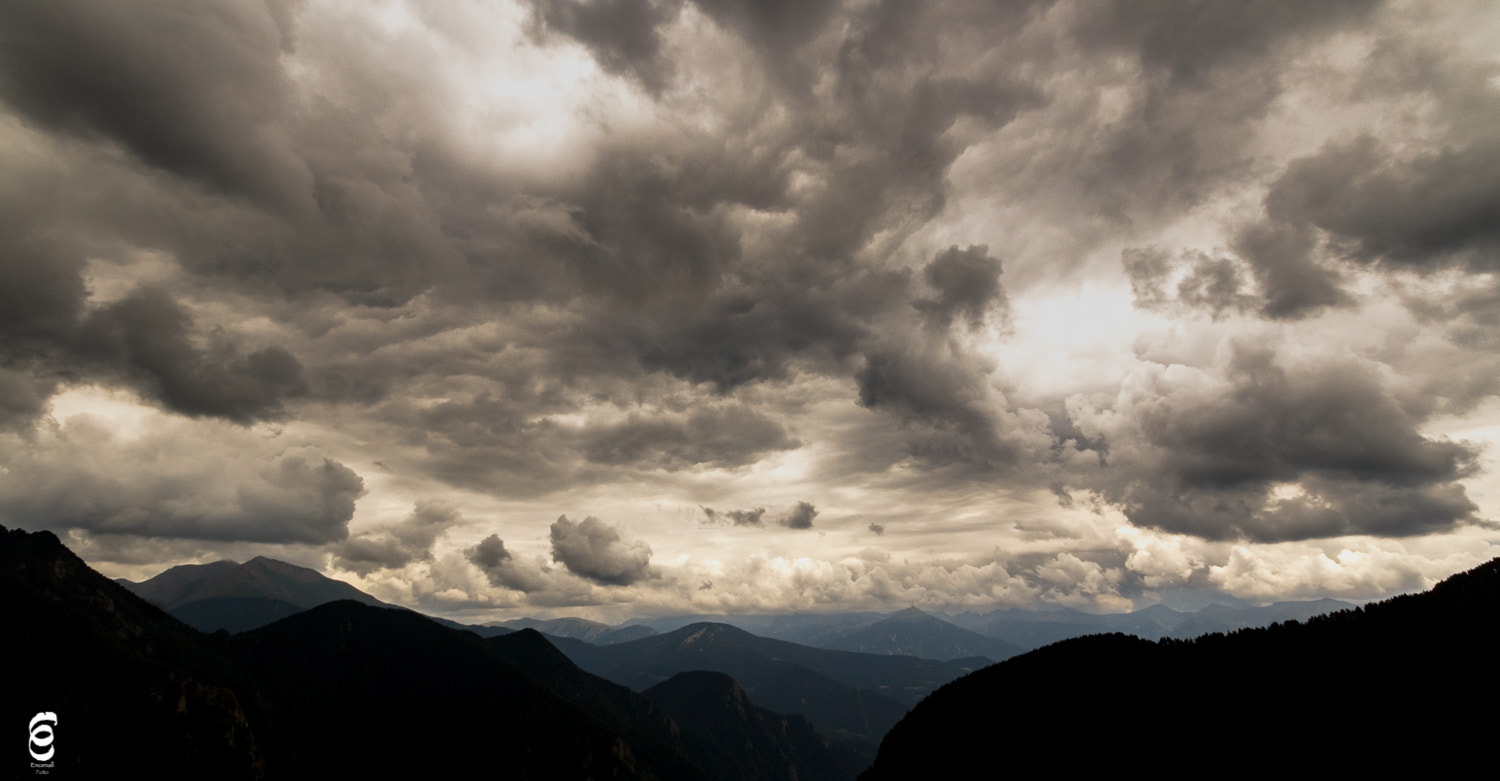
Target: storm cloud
{"x": 1154, "y": 296}
{"x": 800, "y": 517}
{"x": 736, "y": 517}
{"x": 176, "y": 483}
{"x": 504, "y": 570}
{"x": 400, "y": 544}
{"x": 1268, "y": 454}
{"x": 210, "y": 113}
{"x": 596, "y": 551}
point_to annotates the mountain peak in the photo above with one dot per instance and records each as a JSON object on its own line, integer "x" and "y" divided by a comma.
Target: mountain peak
{"x": 701, "y": 683}
{"x": 227, "y": 595}
{"x": 709, "y": 634}
{"x": 912, "y": 613}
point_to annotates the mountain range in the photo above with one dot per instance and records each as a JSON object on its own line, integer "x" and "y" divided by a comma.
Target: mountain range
{"x": 238, "y": 597}
{"x": 347, "y": 689}
{"x": 351, "y": 688}
{"x": 854, "y": 697}
{"x": 851, "y": 696}
{"x": 580, "y": 629}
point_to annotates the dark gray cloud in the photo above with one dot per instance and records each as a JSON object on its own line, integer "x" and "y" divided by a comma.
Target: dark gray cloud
{"x": 967, "y": 282}
{"x": 145, "y": 337}
{"x": 768, "y": 226}
{"x": 1436, "y": 209}
{"x": 1293, "y": 281}
{"x": 737, "y": 517}
{"x": 400, "y": 544}
{"x": 502, "y": 569}
{"x": 489, "y": 554}
{"x": 1208, "y": 283}
{"x": 41, "y": 292}
{"x": 209, "y": 111}
{"x": 1388, "y": 203}
{"x": 775, "y": 28}
{"x": 176, "y": 486}
{"x": 622, "y": 35}
{"x": 594, "y": 550}
{"x": 1163, "y": 132}
{"x": 800, "y": 517}
{"x": 945, "y": 395}
{"x": 1149, "y": 269}
{"x": 22, "y": 399}
{"x": 145, "y": 340}
{"x": 876, "y": 528}
{"x": 1190, "y": 39}
{"x": 716, "y": 436}
{"x": 1214, "y": 464}
{"x": 767, "y": 331}
{"x": 1215, "y": 285}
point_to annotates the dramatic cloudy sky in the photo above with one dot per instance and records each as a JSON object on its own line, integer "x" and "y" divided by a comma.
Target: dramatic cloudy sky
{"x": 662, "y": 306}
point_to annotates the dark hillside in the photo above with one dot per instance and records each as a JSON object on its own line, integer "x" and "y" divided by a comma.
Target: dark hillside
{"x": 134, "y": 690}
{"x": 390, "y": 694}
{"x": 736, "y": 740}
{"x": 1403, "y": 684}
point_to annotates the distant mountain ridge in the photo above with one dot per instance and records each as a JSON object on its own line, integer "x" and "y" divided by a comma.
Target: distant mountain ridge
{"x": 239, "y": 597}
{"x": 912, "y": 632}
{"x": 259, "y": 577}
{"x": 844, "y": 694}
{"x": 1025, "y": 629}
{"x": 580, "y": 629}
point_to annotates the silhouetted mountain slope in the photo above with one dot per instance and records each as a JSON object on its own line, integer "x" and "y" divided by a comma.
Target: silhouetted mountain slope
{"x": 623, "y": 634}
{"x": 233, "y": 614}
{"x": 388, "y": 693}
{"x": 134, "y": 690}
{"x": 904, "y": 679}
{"x": 912, "y": 632}
{"x": 653, "y": 735}
{"x": 482, "y": 631}
{"x": 341, "y": 690}
{"x": 1403, "y": 685}
{"x": 736, "y": 740}
{"x": 1219, "y": 618}
{"x": 812, "y": 629}
{"x": 177, "y": 584}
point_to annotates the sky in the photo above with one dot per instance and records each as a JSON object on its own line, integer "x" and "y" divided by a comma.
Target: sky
{"x": 651, "y": 307}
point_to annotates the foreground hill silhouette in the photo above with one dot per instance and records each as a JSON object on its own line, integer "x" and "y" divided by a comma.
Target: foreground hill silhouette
{"x": 719, "y": 722}
{"x": 1405, "y": 684}
{"x": 134, "y": 689}
{"x": 341, "y": 690}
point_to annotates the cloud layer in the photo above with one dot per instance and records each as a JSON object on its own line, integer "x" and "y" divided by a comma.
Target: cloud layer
{"x": 1073, "y": 302}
